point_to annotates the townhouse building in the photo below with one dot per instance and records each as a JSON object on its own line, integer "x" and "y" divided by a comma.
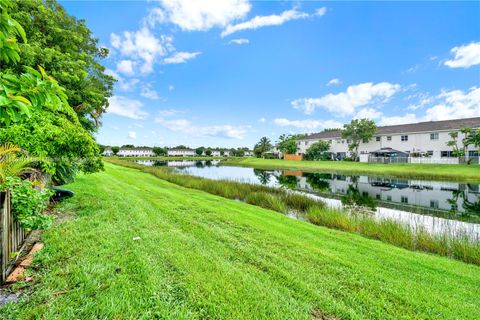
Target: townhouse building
{"x": 416, "y": 141}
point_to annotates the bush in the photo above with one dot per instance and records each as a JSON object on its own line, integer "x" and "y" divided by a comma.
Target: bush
{"x": 28, "y": 203}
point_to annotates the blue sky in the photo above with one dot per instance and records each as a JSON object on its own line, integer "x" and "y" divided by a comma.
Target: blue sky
{"x": 226, "y": 73}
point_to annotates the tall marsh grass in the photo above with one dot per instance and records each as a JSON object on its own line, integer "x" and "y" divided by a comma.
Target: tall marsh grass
{"x": 458, "y": 246}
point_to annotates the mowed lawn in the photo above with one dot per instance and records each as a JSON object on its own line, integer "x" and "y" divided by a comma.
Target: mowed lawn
{"x": 201, "y": 256}
{"x": 454, "y": 172}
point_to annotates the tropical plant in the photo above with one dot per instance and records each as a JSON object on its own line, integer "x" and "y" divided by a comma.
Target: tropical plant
{"x": 12, "y": 163}
{"x": 318, "y": 151}
{"x": 263, "y": 146}
{"x": 357, "y": 131}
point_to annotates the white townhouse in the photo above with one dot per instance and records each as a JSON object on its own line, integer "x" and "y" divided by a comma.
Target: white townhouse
{"x": 135, "y": 152}
{"x": 180, "y": 152}
{"x": 248, "y": 153}
{"x": 414, "y": 141}
{"x": 216, "y": 153}
{"x": 107, "y": 152}
{"x": 226, "y": 153}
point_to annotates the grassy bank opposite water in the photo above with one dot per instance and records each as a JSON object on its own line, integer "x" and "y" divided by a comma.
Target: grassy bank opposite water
{"x": 462, "y": 172}
{"x": 201, "y": 256}
{"x": 454, "y": 245}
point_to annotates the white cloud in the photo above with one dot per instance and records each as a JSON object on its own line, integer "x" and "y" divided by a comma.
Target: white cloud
{"x": 200, "y": 15}
{"x": 181, "y": 57}
{"x": 394, "y": 120}
{"x": 185, "y": 126}
{"x": 155, "y": 15}
{"x": 262, "y": 120}
{"x": 465, "y": 56}
{"x": 321, "y": 11}
{"x": 171, "y": 88}
{"x": 239, "y": 41}
{"x": 142, "y": 46}
{"x": 149, "y": 93}
{"x": 124, "y": 85}
{"x": 455, "y": 104}
{"x": 126, "y": 67}
{"x": 334, "y": 82}
{"x": 132, "y": 135}
{"x": 368, "y": 113}
{"x": 263, "y": 21}
{"x": 345, "y": 103}
{"x": 307, "y": 124}
{"x": 126, "y": 107}
{"x": 447, "y": 105}
{"x": 168, "y": 113}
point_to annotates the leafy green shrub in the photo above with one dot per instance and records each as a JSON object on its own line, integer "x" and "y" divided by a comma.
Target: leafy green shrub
{"x": 28, "y": 203}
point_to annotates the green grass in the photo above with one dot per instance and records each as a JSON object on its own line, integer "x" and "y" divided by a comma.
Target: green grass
{"x": 202, "y": 256}
{"x": 406, "y": 170}
{"x": 458, "y": 246}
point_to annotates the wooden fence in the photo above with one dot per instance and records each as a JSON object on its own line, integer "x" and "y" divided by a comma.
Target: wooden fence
{"x": 12, "y": 235}
{"x": 297, "y": 157}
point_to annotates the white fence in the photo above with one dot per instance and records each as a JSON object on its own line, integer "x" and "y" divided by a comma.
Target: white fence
{"x": 471, "y": 160}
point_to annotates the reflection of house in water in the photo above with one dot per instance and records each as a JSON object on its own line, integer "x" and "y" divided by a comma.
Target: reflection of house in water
{"x": 408, "y": 195}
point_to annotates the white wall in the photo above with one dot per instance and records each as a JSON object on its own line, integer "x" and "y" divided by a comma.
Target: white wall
{"x": 417, "y": 142}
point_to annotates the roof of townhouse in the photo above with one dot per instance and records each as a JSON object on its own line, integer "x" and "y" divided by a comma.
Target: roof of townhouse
{"x": 180, "y": 149}
{"x": 411, "y": 127}
{"x": 137, "y": 149}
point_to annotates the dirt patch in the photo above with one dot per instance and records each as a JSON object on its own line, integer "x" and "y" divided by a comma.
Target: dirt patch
{"x": 319, "y": 314}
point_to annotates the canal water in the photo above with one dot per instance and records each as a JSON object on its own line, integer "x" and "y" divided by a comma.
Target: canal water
{"x": 438, "y": 206}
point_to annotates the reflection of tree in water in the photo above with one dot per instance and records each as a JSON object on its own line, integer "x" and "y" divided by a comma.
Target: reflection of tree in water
{"x": 158, "y": 163}
{"x": 287, "y": 181}
{"x": 199, "y": 164}
{"x": 262, "y": 176}
{"x": 472, "y": 208}
{"x": 318, "y": 181}
{"x": 353, "y": 197}
{"x": 208, "y": 163}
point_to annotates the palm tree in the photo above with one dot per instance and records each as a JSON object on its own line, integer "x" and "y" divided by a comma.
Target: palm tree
{"x": 12, "y": 163}
{"x": 264, "y": 145}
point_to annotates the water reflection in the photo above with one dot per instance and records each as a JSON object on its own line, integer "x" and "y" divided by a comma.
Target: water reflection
{"x": 419, "y": 201}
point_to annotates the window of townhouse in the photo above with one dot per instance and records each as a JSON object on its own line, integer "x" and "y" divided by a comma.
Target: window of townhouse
{"x": 404, "y": 138}
{"x": 377, "y": 139}
{"x": 446, "y": 154}
{"x": 434, "y": 136}
{"x": 389, "y": 138}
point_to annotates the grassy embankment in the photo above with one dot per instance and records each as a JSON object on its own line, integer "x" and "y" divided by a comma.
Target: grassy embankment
{"x": 163, "y": 158}
{"x": 201, "y": 256}
{"x": 470, "y": 173}
{"x": 455, "y": 245}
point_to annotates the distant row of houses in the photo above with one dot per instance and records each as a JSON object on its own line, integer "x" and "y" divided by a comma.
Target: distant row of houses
{"x": 148, "y": 152}
{"x": 423, "y": 142}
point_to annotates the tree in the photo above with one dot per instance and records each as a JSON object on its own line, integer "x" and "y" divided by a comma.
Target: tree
{"x": 199, "y": 151}
{"x": 288, "y": 143}
{"x": 474, "y": 139}
{"x": 36, "y": 116}
{"x": 158, "y": 151}
{"x": 128, "y": 146}
{"x": 181, "y": 147}
{"x": 66, "y": 49}
{"x": 318, "y": 151}
{"x": 469, "y": 138}
{"x": 115, "y": 150}
{"x": 357, "y": 131}
{"x": 264, "y": 145}
{"x": 208, "y": 152}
